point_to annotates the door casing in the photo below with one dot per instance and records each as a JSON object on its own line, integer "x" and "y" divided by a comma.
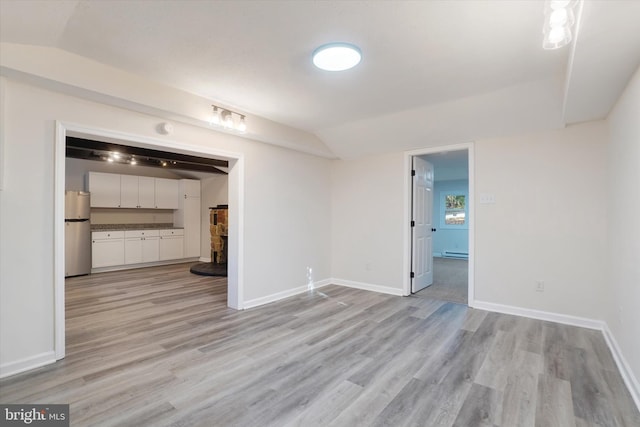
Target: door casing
{"x": 235, "y": 278}
{"x": 407, "y": 239}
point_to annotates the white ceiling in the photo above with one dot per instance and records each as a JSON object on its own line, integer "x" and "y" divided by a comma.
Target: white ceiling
{"x": 433, "y": 72}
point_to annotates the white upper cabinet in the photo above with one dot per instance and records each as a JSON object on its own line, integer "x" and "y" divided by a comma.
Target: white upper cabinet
{"x": 128, "y": 191}
{"x": 146, "y": 192}
{"x": 167, "y": 193}
{"x": 137, "y": 192}
{"x": 104, "y": 189}
{"x": 109, "y": 190}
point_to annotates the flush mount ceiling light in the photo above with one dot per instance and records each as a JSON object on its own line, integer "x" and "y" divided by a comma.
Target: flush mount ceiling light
{"x": 337, "y": 56}
{"x": 558, "y": 20}
{"x": 224, "y": 118}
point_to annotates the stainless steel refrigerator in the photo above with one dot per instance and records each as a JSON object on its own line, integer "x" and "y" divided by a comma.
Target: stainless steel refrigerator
{"x": 77, "y": 234}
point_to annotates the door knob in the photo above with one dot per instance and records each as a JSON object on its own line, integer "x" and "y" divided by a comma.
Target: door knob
{"x": 433, "y": 230}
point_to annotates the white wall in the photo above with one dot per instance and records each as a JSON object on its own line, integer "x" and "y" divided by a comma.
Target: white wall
{"x": 367, "y": 234}
{"x": 548, "y": 222}
{"x": 287, "y": 199}
{"x": 622, "y": 309}
{"x": 454, "y": 238}
{"x": 214, "y": 190}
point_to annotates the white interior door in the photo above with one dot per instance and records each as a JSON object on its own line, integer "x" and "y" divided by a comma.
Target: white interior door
{"x": 421, "y": 225}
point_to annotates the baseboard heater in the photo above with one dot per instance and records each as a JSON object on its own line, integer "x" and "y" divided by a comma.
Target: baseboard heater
{"x": 458, "y": 255}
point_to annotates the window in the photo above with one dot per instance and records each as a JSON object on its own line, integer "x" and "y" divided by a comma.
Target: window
{"x": 453, "y": 209}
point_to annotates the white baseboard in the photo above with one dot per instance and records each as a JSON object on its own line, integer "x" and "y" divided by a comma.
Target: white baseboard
{"x": 566, "y": 319}
{"x": 203, "y": 259}
{"x": 285, "y": 294}
{"x": 146, "y": 264}
{"x": 367, "y": 287}
{"x": 27, "y": 364}
{"x": 625, "y": 371}
{"x": 627, "y": 374}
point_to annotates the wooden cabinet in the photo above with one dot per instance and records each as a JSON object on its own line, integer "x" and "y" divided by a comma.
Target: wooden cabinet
{"x": 104, "y": 189}
{"x": 188, "y": 216}
{"x": 141, "y": 246}
{"x": 109, "y": 190}
{"x": 107, "y": 248}
{"x": 171, "y": 244}
{"x": 167, "y": 193}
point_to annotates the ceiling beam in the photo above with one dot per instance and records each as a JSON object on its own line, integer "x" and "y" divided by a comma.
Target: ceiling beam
{"x": 88, "y": 144}
{"x": 80, "y": 148}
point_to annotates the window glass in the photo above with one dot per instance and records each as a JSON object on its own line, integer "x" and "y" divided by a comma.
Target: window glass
{"x": 454, "y": 211}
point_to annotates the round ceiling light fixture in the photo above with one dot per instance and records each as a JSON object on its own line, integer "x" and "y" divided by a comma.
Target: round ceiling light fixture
{"x": 337, "y": 56}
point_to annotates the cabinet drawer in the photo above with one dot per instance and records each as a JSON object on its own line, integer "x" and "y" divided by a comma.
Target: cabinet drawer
{"x": 141, "y": 233}
{"x": 101, "y": 235}
{"x": 174, "y": 232}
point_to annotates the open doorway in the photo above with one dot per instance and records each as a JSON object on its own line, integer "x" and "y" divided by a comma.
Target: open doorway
{"x": 443, "y": 233}
{"x": 235, "y": 198}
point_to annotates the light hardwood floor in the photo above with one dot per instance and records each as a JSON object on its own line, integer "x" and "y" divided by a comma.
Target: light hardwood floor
{"x": 158, "y": 347}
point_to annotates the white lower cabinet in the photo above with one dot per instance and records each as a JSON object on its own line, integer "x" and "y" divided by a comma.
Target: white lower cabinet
{"x": 120, "y": 248}
{"x": 151, "y": 249}
{"x": 171, "y": 244}
{"x": 107, "y": 248}
{"x": 141, "y": 246}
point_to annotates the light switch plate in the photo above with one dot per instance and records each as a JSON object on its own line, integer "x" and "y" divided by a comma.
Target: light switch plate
{"x": 487, "y": 198}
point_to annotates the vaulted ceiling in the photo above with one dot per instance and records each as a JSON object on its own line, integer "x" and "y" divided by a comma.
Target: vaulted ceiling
{"x": 433, "y": 72}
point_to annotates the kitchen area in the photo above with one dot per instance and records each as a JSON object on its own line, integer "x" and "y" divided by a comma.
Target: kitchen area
{"x": 124, "y": 211}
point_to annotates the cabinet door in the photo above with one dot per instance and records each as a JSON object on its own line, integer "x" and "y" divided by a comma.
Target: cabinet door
{"x": 133, "y": 250}
{"x": 171, "y": 247}
{"x": 128, "y": 191}
{"x": 146, "y": 192}
{"x": 191, "y": 227}
{"x": 104, "y": 189}
{"x": 190, "y": 188}
{"x": 150, "y": 249}
{"x": 167, "y": 191}
{"x": 107, "y": 253}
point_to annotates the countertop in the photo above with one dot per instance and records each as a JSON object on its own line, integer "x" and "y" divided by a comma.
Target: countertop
{"x": 120, "y": 227}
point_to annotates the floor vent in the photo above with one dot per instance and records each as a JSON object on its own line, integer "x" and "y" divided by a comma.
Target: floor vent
{"x": 457, "y": 255}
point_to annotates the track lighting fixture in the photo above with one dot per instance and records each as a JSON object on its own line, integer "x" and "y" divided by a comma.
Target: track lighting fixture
{"x": 225, "y": 118}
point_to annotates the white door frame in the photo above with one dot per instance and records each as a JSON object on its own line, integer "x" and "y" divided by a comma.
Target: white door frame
{"x": 408, "y": 155}
{"x": 235, "y": 278}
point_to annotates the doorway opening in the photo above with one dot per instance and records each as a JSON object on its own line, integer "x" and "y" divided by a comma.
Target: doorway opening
{"x": 440, "y": 220}
{"x": 235, "y": 201}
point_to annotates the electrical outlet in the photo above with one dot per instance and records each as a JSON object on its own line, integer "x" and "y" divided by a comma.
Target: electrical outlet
{"x": 539, "y": 286}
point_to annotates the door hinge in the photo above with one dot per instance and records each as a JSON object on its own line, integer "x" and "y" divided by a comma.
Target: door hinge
{"x": 413, "y": 223}
{"x": 413, "y": 275}
{"x": 413, "y": 172}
